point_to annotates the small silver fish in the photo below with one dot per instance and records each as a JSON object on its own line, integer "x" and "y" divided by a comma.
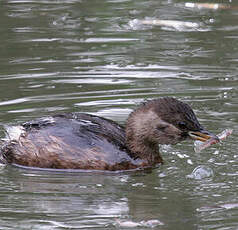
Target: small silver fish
{"x": 199, "y": 146}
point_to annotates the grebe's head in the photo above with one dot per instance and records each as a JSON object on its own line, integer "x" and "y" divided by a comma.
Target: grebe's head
{"x": 163, "y": 121}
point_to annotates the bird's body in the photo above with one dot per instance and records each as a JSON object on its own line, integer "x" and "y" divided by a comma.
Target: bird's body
{"x": 71, "y": 141}
{"x": 83, "y": 141}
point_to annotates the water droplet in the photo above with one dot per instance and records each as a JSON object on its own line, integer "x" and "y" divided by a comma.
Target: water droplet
{"x": 201, "y": 172}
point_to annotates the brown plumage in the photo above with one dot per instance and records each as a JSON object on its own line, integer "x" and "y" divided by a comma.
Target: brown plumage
{"x": 83, "y": 141}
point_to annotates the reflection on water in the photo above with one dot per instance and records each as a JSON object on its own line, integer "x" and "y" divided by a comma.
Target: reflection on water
{"x": 105, "y": 57}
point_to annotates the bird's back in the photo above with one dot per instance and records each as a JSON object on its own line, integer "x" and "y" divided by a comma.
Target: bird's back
{"x": 71, "y": 141}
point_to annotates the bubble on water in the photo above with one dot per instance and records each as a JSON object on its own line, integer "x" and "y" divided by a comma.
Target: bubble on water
{"x": 135, "y": 24}
{"x": 201, "y": 172}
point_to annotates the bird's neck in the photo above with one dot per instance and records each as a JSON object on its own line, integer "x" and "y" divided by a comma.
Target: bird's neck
{"x": 148, "y": 152}
{"x": 139, "y": 135}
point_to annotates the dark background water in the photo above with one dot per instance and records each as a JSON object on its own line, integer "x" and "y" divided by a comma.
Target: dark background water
{"x": 100, "y": 57}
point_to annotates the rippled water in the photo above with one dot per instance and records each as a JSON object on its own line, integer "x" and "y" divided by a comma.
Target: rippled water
{"x": 105, "y": 57}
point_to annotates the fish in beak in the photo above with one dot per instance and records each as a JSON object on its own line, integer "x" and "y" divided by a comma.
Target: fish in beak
{"x": 202, "y": 135}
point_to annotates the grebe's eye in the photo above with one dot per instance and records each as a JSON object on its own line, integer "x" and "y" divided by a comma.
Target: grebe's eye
{"x": 182, "y": 125}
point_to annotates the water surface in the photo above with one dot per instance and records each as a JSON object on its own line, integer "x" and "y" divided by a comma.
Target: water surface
{"x": 101, "y": 57}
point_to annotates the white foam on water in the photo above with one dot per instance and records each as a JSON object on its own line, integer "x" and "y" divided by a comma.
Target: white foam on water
{"x": 13, "y": 133}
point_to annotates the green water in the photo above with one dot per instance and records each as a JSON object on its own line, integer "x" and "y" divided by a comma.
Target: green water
{"x": 98, "y": 57}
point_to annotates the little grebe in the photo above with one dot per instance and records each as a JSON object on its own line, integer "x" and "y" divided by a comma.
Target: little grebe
{"x": 83, "y": 141}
